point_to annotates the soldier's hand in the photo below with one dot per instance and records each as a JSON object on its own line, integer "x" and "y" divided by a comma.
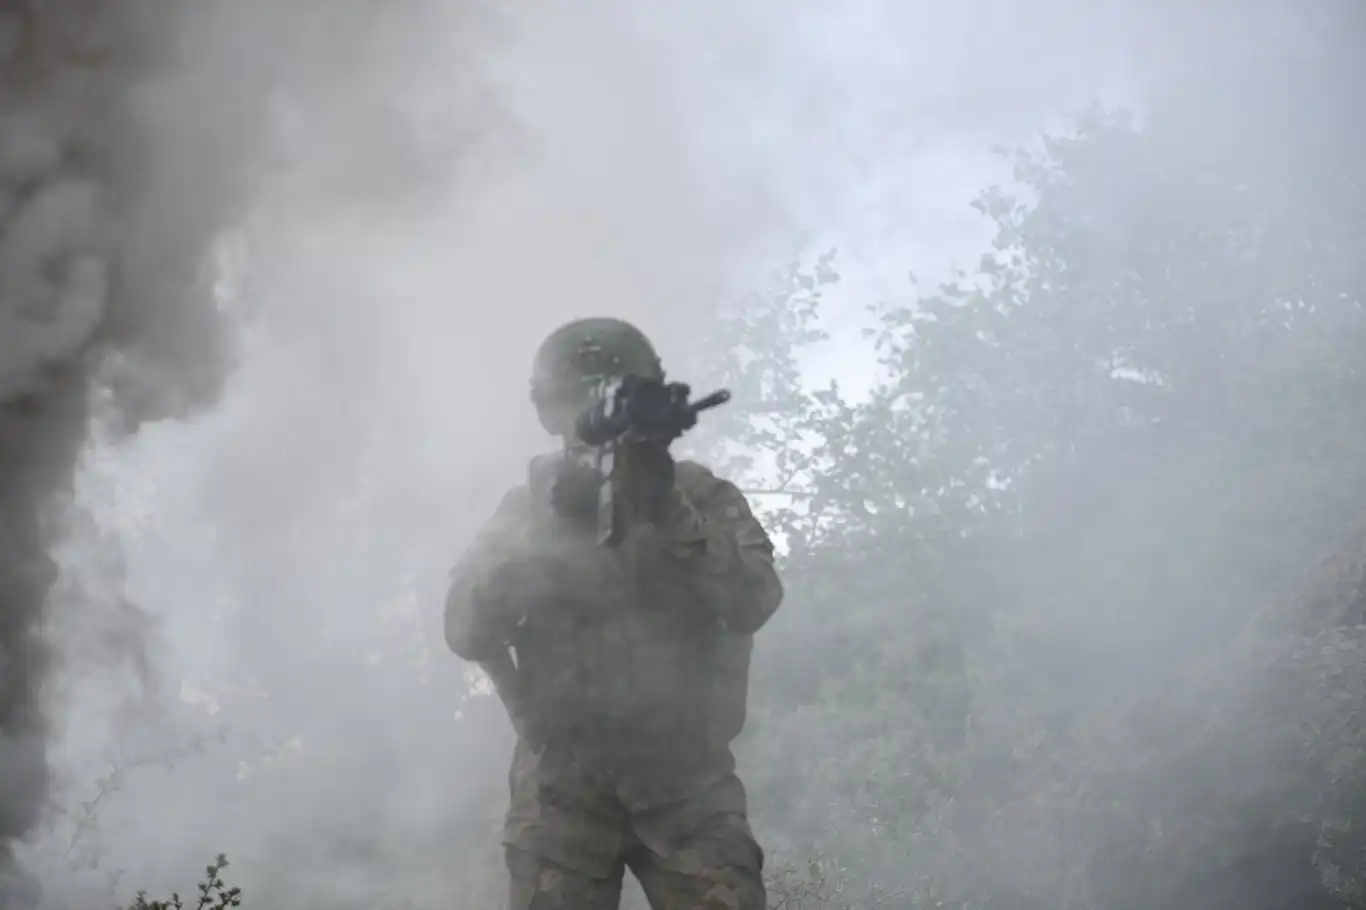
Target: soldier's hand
{"x": 571, "y": 486}
{"x": 575, "y": 490}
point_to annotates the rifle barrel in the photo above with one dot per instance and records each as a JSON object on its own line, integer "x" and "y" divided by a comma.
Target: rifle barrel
{"x": 715, "y": 399}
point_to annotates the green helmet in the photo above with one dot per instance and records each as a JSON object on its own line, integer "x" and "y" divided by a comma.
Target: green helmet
{"x": 579, "y": 354}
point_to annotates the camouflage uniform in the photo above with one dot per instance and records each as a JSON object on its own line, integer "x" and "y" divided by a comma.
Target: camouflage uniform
{"x": 626, "y": 688}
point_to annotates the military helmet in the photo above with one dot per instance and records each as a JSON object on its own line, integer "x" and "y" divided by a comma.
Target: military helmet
{"x": 579, "y": 354}
{"x": 586, "y": 350}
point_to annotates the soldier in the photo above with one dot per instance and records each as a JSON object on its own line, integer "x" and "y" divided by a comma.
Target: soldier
{"x": 624, "y": 669}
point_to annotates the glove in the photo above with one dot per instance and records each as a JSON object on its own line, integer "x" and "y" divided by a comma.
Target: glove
{"x": 570, "y": 485}
{"x": 575, "y": 490}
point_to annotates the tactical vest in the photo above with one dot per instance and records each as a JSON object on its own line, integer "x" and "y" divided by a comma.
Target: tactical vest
{"x": 640, "y": 668}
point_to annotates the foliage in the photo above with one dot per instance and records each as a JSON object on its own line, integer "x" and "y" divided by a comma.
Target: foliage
{"x": 1039, "y": 647}
{"x": 214, "y": 894}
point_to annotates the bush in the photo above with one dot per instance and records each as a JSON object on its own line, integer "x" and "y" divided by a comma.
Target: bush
{"x": 214, "y": 893}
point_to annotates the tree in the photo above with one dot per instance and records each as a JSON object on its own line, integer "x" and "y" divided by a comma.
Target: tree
{"x": 1090, "y": 465}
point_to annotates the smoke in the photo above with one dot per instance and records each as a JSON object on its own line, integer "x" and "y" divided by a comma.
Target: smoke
{"x": 106, "y": 210}
{"x": 354, "y": 220}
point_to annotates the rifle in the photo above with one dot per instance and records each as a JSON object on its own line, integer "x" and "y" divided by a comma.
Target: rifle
{"x": 633, "y": 409}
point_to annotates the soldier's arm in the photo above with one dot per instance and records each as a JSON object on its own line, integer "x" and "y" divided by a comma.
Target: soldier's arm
{"x": 713, "y": 544}
{"x": 475, "y": 629}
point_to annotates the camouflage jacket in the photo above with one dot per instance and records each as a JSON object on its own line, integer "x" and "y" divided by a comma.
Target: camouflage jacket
{"x": 641, "y": 665}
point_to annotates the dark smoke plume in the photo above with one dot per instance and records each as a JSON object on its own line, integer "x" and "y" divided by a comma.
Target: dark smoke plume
{"x": 114, "y": 182}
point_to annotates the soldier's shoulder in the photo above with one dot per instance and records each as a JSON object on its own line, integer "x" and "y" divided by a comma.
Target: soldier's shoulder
{"x": 511, "y": 519}
{"x": 706, "y": 487}
{"x": 515, "y": 504}
{"x": 693, "y": 476}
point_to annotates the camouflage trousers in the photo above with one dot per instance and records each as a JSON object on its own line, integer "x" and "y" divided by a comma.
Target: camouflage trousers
{"x": 568, "y": 847}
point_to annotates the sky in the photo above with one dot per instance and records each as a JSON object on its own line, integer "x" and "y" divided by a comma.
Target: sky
{"x": 442, "y": 185}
